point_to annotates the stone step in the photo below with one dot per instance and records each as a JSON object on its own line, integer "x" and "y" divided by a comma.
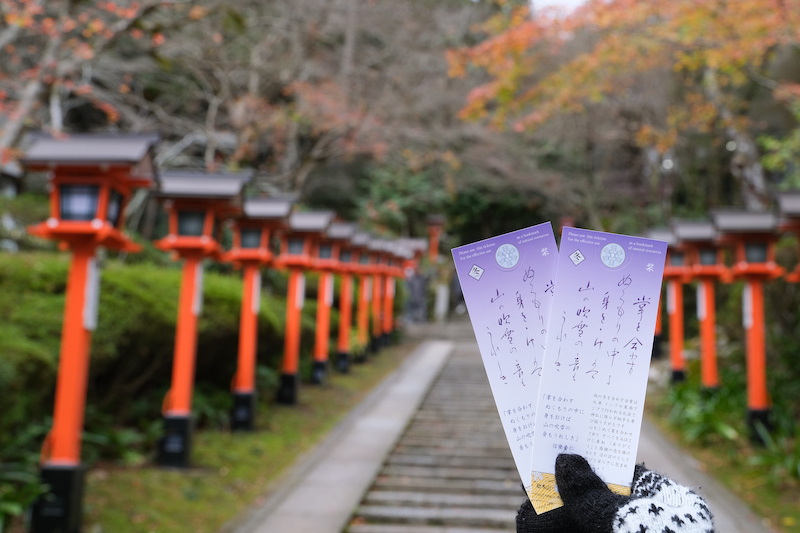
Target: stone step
{"x": 509, "y": 487}
{"x": 464, "y": 451}
{"x": 420, "y": 499}
{"x": 504, "y": 462}
{"x": 475, "y": 442}
{"x": 470, "y": 516}
{"x": 416, "y": 528}
{"x": 448, "y": 472}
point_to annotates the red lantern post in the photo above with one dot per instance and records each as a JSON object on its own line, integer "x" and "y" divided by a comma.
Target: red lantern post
{"x": 326, "y": 261}
{"x": 197, "y": 204}
{"x": 251, "y": 251}
{"x": 376, "y": 250}
{"x": 394, "y": 271}
{"x": 435, "y": 225}
{"x": 297, "y": 246}
{"x": 91, "y": 179}
{"x": 706, "y": 262}
{"x": 752, "y": 234}
{"x": 364, "y": 267}
{"x": 675, "y": 275}
{"x": 343, "y": 232}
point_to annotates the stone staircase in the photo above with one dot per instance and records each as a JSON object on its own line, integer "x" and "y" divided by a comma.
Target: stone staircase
{"x": 451, "y": 471}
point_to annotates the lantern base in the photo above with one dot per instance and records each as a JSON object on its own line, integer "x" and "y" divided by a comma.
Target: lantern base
{"x": 243, "y": 413}
{"x": 375, "y": 345}
{"x": 174, "y": 447}
{"x": 678, "y": 376}
{"x": 756, "y": 418}
{"x": 318, "y": 372}
{"x": 343, "y": 362}
{"x": 287, "y": 390}
{"x": 60, "y": 509}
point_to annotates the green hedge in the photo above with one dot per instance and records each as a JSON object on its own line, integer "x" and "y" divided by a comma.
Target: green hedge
{"x": 132, "y": 347}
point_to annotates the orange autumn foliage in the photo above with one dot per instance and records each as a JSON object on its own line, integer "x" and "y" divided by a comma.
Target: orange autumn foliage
{"x": 554, "y": 63}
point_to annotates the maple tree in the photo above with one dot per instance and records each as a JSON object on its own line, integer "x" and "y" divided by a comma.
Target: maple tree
{"x": 50, "y": 48}
{"x": 713, "y": 54}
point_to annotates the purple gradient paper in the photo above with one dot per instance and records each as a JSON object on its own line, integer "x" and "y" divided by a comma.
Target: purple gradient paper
{"x": 596, "y": 364}
{"x": 507, "y": 284}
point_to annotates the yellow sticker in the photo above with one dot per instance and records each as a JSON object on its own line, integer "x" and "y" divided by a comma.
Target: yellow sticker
{"x": 544, "y": 494}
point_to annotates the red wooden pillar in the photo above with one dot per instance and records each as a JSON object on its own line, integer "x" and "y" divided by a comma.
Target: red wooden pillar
{"x": 753, "y": 318}
{"x": 63, "y": 445}
{"x": 675, "y": 312}
{"x": 707, "y": 316}
{"x": 244, "y": 380}
{"x": 345, "y": 322}
{"x": 377, "y": 311}
{"x": 364, "y": 297}
{"x": 323, "y": 332}
{"x": 178, "y": 403}
{"x": 388, "y": 307}
{"x": 287, "y": 393}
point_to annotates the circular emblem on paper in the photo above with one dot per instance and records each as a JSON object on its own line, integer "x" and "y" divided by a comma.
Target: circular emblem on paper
{"x": 612, "y": 255}
{"x": 507, "y": 255}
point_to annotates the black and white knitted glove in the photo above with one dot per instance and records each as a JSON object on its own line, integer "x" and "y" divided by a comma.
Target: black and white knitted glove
{"x": 657, "y": 504}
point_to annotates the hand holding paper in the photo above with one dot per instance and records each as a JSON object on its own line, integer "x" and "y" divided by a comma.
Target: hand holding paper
{"x": 583, "y": 390}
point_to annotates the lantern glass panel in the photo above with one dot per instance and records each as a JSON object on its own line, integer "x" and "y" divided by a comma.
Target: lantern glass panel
{"x": 78, "y": 202}
{"x": 676, "y": 259}
{"x": 191, "y": 223}
{"x": 345, "y": 256}
{"x": 325, "y": 251}
{"x": 755, "y": 252}
{"x": 708, "y": 256}
{"x": 114, "y": 207}
{"x": 296, "y": 246}
{"x": 250, "y": 238}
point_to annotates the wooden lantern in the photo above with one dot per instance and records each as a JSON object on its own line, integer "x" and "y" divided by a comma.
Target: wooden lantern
{"x": 252, "y": 231}
{"x": 91, "y": 180}
{"x": 197, "y": 204}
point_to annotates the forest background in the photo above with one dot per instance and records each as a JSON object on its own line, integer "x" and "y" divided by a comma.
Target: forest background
{"x": 617, "y": 115}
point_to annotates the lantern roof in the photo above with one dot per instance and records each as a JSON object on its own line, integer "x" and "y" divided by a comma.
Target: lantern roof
{"x": 267, "y": 208}
{"x": 88, "y": 148}
{"x": 341, "y": 230}
{"x": 789, "y": 203}
{"x": 694, "y": 230}
{"x": 360, "y": 239}
{"x": 378, "y": 245}
{"x": 191, "y": 184}
{"x": 310, "y": 221}
{"x": 663, "y": 234}
{"x": 414, "y": 245}
{"x": 743, "y": 221}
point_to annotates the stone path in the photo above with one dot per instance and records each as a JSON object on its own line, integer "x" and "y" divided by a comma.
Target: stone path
{"x": 452, "y": 470}
{"x": 427, "y": 454}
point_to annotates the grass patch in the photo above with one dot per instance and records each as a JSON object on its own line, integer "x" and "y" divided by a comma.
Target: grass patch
{"x": 711, "y": 427}
{"x": 231, "y": 471}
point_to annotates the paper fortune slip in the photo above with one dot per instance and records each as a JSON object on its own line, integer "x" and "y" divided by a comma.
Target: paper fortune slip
{"x": 507, "y": 282}
{"x": 596, "y": 364}
{"x": 565, "y": 337}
